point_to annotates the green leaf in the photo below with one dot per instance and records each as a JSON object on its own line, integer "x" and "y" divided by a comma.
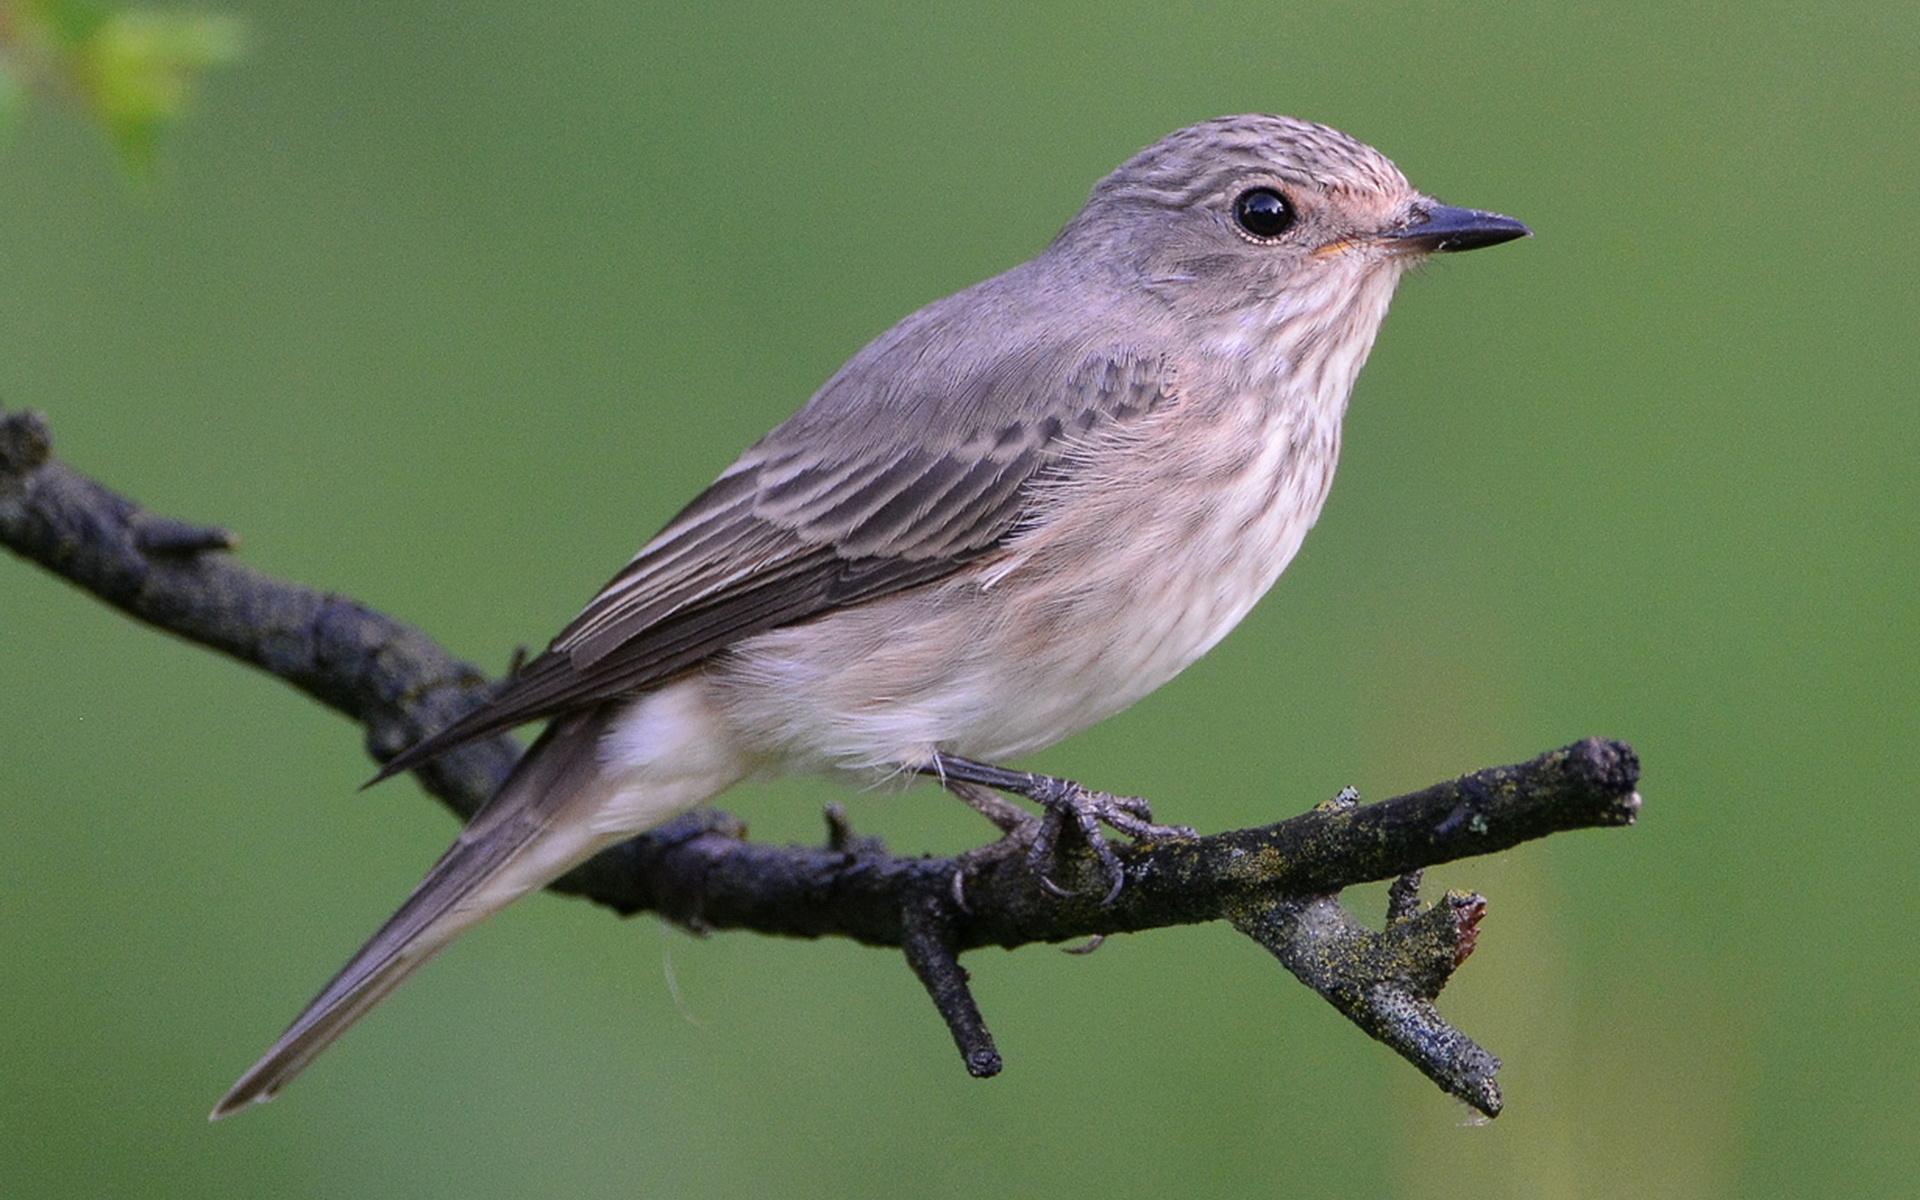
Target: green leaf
{"x": 138, "y": 67}
{"x": 133, "y": 68}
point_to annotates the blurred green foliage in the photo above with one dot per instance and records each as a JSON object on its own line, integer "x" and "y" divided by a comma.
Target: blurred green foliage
{"x": 133, "y": 68}
{"x": 448, "y": 309}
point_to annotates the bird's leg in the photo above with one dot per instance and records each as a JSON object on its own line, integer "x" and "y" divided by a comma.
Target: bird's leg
{"x": 1065, "y": 803}
{"x": 1015, "y": 824}
{"x": 1009, "y": 818}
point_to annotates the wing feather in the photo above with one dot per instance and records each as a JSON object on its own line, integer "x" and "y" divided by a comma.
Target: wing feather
{"x": 825, "y": 512}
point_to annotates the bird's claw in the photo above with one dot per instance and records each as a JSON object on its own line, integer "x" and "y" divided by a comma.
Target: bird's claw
{"x": 1069, "y": 804}
{"x": 1065, "y": 805}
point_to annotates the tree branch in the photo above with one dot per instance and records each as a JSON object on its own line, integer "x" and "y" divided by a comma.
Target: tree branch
{"x": 1278, "y": 884}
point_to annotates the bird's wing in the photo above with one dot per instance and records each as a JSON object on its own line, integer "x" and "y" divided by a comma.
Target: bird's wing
{"x": 834, "y": 507}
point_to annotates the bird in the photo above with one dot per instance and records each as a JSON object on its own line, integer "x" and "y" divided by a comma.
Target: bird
{"x": 1010, "y": 516}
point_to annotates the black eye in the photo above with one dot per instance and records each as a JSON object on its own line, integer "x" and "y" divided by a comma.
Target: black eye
{"x": 1264, "y": 213}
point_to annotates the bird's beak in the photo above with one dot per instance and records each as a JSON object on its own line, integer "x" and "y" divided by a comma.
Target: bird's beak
{"x": 1439, "y": 228}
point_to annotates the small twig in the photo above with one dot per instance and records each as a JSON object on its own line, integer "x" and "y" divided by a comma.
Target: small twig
{"x": 155, "y": 536}
{"x": 927, "y": 937}
{"x": 388, "y": 676}
{"x": 1386, "y": 982}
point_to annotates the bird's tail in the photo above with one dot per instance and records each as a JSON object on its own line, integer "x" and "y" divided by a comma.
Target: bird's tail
{"x": 513, "y": 845}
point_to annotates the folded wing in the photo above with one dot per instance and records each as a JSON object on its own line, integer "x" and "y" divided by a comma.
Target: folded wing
{"x": 826, "y": 511}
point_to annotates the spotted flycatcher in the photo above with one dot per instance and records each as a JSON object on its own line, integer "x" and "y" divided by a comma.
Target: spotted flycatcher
{"x": 1012, "y": 515}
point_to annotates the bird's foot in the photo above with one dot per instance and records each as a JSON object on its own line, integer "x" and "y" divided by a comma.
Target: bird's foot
{"x": 1073, "y": 807}
{"x": 1067, "y": 807}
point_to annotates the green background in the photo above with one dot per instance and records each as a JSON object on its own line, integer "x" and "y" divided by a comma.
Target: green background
{"x": 447, "y": 307}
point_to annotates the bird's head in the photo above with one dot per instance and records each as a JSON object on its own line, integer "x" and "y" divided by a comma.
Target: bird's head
{"x": 1265, "y": 215}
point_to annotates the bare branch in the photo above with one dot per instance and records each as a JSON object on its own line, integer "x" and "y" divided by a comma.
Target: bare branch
{"x": 1278, "y": 883}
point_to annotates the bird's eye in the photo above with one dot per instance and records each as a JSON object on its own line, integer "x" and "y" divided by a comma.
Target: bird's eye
{"x": 1264, "y": 213}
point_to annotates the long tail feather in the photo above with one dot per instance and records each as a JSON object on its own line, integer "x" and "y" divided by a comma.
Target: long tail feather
{"x": 512, "y": 846}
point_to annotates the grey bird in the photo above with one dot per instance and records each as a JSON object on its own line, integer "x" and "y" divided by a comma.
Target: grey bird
{"x": 1010, "y": 516}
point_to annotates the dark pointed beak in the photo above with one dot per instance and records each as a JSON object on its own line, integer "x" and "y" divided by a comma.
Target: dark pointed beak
{"x": 1439, "y": 229}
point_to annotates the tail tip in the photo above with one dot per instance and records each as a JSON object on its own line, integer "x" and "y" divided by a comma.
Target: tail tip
{"x": 240, "y": 1097}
